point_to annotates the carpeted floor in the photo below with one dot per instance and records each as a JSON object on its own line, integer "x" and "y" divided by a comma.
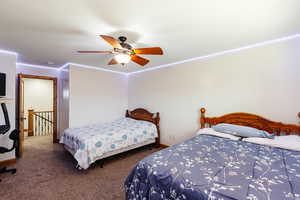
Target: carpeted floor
{"x": 47, "y": 171}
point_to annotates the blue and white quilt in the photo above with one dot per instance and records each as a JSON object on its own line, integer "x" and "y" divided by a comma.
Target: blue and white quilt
{"x": 91, "y": 142}
{"x": 213, "y": 168}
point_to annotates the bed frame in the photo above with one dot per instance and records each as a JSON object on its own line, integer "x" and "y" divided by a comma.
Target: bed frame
{"x": 143, "y": 114}
{"x": 251, "y": 120}
{"x": 137, "y": 114}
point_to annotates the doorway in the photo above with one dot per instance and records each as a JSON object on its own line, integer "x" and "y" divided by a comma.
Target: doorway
{"x": 37, "y": 108}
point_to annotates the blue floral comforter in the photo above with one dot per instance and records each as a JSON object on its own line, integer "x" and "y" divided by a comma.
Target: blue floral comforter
{"x": 210, "y": 167}
{"x": 91, "y": 142}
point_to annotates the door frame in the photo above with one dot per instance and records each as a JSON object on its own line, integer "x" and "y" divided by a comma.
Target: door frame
{"x": 55, "y": 89}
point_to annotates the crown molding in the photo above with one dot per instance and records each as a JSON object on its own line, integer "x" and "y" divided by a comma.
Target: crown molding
{"x": 8, "y": 52}
{"x": 92, "y": 67}
{"x": 37, "y": 66}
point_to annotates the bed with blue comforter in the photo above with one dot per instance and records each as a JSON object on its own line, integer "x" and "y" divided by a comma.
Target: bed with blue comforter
{"x": 210, "y": 168}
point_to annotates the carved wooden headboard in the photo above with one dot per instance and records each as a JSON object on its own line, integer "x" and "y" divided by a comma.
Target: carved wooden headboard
{"x": 143, "y": 114}
{"x": 251, "y": 120}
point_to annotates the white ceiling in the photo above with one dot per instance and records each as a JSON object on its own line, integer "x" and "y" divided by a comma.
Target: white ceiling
{"x": 48, "y": 30}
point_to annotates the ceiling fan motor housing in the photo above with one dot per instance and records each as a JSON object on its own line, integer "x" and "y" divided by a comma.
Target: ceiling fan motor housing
{"x": 122, "y": 38}
{"x": 123, "y": 44}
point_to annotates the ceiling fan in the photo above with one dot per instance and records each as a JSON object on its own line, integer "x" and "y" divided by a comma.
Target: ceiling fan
{"x": 124, "y": 52}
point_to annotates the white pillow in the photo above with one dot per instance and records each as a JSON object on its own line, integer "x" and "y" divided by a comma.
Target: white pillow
{"x": 210, "y": 131}
{"x": 291, "y": 142}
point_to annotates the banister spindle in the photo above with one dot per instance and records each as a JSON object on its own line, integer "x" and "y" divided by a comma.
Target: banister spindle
{"x": 44, "y": 124}
{"x": 48, "y": 123}
{"x": 40, "y": 124}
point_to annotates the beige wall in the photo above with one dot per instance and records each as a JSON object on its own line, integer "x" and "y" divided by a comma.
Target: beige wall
{"x": 95, "y": 96}
{"x": 263, "y": 80}
{"x": 38, "y": 95}
{"x": 8, "y": 66}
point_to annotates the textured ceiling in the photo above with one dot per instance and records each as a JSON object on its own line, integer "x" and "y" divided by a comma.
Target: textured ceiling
{"x": 52, "y": 31}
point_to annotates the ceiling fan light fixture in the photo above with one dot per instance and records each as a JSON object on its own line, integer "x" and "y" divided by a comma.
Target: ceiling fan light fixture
{"x": 123, "y": 58}
{"x": 124, "y": 52}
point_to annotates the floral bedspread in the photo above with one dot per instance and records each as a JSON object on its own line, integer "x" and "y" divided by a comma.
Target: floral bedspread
{"x": 210, "y": 167}
{"x": 93, "y": 141}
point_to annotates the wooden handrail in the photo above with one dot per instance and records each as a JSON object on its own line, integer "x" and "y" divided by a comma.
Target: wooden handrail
{"x": 44, "y": 112}
{"x": 35, "y": 113}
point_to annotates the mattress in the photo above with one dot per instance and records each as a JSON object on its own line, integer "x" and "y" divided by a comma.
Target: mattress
{"x": 209, "y": 167}
{"x": 91, "y": 142}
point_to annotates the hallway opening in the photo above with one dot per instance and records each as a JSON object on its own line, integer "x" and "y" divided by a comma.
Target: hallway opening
{"x": 37, "y": 108}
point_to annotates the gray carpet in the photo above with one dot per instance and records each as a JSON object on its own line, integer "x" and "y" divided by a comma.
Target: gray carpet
{"x": 47, "y": 171}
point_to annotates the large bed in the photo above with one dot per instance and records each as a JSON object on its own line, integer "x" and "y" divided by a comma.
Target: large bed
{"x": 94, "y": 142}
{"x": 210, "y": 167}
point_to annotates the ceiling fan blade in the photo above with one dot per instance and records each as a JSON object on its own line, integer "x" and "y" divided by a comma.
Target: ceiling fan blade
{"x": 139, "y": 60}
{"x": 113, "y": 61}
{"x": 94, "y": 51}
{"x": 112, "y": 41}
{"x": 150, "y": 51}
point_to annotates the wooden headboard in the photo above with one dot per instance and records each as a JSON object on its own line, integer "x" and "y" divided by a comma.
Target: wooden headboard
{"x": 251, "y": 120}
{"x": 143, "y": 114}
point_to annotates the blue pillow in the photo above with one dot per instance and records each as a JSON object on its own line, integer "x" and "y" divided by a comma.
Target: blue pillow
{"x": 242, "y": 131}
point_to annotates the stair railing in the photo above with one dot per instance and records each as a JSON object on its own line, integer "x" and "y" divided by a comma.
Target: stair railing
{"x": 40, "y": 123}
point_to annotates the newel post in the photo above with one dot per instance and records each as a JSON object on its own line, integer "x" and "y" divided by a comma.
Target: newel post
{"x": 30, "y": 122}
{"x": 202, "y": 119}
